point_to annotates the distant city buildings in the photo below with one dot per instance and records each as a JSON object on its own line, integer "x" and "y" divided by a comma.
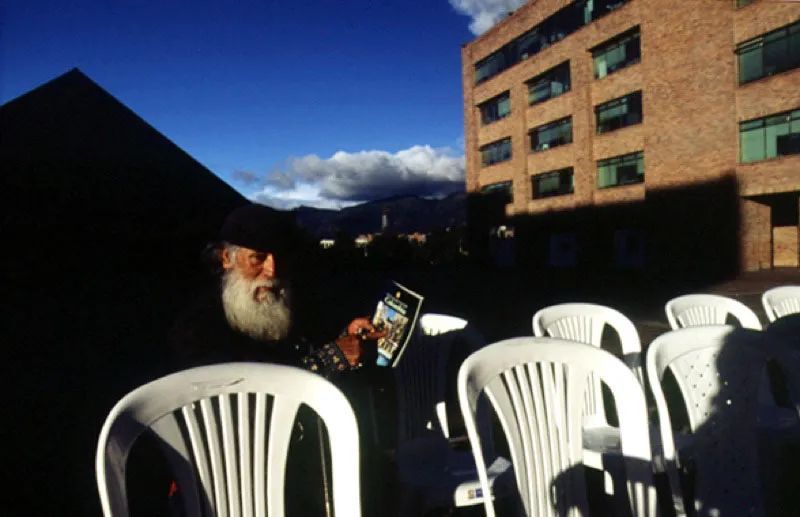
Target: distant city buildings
{"x": 631, "y": 133}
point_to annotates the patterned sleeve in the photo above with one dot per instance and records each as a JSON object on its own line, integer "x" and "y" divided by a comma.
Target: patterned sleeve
{"x": 326, "y": 359}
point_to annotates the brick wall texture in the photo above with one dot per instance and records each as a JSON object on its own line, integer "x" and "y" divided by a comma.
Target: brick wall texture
{"x": 691, "y": 102}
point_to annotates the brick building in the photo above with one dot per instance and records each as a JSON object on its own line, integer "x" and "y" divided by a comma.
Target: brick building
{"x": 618, "y": 134}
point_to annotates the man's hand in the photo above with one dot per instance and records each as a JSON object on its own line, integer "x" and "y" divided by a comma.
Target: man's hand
{"x": 360, "y": 329}
{"x": 364, "y": 329}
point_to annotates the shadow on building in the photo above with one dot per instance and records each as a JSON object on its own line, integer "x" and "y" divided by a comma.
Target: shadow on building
{"x": 692, "y": 235}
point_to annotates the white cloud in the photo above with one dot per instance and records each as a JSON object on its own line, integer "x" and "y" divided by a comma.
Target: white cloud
{"x": 347, "y": 178}
{"x": 485, "y": 13}
{"x": 302, "y": 195}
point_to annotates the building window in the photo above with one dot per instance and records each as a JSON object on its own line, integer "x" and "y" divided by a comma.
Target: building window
{"x": 495, "y": 109}
{"x": 553, "y": 183}
{"x": 619, "y": 113}
{"x": 551, "y": 83}
{"x": 617, "y": 53}
{"x": 553, "y": 134}
{"x": 563, "y": 250}
{"x": 496, "y": 152}
{"x": 629, "y": 248}
{"x": 621, "y": 170}
{"x": 554, "y": 28}
{"x": 503, "y": 190}
{"x": 770, "y": 137}
{"x": 770, "y": 54}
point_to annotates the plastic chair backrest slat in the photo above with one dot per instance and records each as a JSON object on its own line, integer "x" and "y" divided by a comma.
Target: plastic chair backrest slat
{"x": 229, "y": 452}
{"x": 260, "y": 454}
{"x": 198, "y": 452}
{"x": 215, "y": 455}
{"x": 277, "y": 451}
{"x": 245, "y": 466}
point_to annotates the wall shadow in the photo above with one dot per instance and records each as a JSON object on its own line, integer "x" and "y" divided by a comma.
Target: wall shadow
{"x": 684, "y": 235}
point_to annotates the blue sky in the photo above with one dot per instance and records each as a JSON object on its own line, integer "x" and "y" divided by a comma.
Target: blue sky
{"x": 319, "y": 102}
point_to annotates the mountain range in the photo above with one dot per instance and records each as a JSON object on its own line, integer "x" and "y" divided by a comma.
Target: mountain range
{"x": 404, "y": 214}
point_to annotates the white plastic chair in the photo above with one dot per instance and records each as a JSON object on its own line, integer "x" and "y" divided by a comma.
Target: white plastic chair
{"x": 718, "y": 370}
{"x": 694, "y": 310}
{"x": 584, "y": 323}
{"x": 536, "y": 386}
{"x": 231, "y": 424}
{"x": 780, "y": 301}
{"x": 425, "y": 459}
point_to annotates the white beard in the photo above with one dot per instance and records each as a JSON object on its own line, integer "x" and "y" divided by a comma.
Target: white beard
{"x": 267, "y": 319}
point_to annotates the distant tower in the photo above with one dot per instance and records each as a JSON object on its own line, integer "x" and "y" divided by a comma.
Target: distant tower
{"x": 384, "y": 219}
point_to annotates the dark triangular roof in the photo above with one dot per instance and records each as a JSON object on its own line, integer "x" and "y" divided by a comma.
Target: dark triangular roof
{"x": 72, "y": 146}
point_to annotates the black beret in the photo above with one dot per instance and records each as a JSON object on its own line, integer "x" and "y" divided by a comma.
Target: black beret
{"x": 260, "y": 228}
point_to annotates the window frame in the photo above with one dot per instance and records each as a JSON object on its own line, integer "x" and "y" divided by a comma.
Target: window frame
{"x": 759, "y": 43}
{"x": 497, "y": 144}
{"x": 560, "y": 173}
{"x": 505, "y": 187}
{"x": 630, "y": 100}
{"x": 495, "y": 102}
{"x": 606, "y": 47}
{"x": 620, "y": 160}
{"x": 548, "y": 77}
{"x": 763, "y": 125}
{"x": 546, "y": 127}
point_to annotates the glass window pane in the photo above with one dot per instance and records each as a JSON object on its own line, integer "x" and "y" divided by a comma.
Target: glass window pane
{"x": 548, "y": 183}
{"x": 615, "y": 57}
{"x": 539, "y": 92}
{"x": 752, "y": 145}
{"x": 600, "y": 67}
{"x": 794, "y": 47}
{"x": 775, "y": 54}
{"x": 613, "y": 112}
{"x": 504, "y": 107}
{"x": 751, "y": 66}
{"x": 606, "y": 176}
{"x": 776, "y": 134}
{"x": 633, "y": 49}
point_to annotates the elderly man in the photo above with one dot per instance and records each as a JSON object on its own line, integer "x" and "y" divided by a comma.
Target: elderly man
{"x": 250, "y": 316}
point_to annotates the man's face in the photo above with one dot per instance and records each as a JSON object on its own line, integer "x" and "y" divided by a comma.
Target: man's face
{"x": 252, "y": 265}
{"x": 255, "y": 300}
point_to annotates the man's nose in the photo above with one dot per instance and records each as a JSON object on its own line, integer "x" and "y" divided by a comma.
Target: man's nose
{"x": 268, "y": 269}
